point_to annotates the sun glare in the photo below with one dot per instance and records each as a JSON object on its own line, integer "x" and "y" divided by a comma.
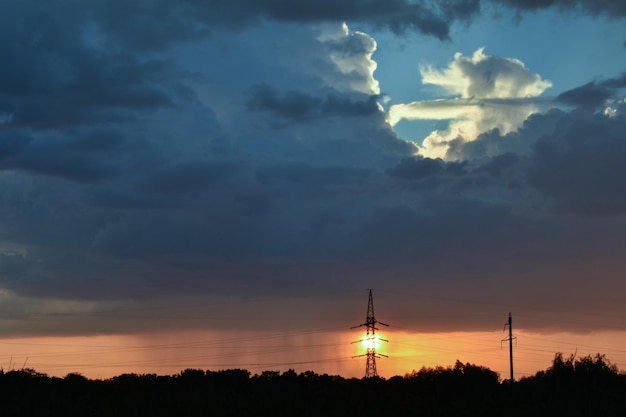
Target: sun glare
{"x": 371, "y": 341}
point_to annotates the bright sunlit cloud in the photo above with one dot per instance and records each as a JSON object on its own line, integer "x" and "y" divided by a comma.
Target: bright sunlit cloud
{"x": 351, "y": 52}
{"x": 488, "y": 92}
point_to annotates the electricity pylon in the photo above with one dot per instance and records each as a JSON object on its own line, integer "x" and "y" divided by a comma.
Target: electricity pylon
{"x": 370, "y": 339}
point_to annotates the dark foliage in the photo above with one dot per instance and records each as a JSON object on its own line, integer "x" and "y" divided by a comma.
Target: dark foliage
{"x": 588, "y": 386}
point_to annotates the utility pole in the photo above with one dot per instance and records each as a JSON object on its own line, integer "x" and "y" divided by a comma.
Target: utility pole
{"x": 370, "y": 339}
{"x": 510, "y": 340}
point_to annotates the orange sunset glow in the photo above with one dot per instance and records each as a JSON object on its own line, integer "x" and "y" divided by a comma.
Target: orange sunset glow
{"x": 323, "y": 352}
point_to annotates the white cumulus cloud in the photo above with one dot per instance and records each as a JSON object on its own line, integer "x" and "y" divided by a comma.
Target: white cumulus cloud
{"x": 351, "y": 53}
{"x": 488, "y": 93}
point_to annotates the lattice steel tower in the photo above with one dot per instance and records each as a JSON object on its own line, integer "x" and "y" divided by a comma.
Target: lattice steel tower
{"x": 370, "y": 339}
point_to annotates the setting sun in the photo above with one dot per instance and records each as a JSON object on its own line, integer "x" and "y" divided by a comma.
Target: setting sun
{"x": 371, "y": 341}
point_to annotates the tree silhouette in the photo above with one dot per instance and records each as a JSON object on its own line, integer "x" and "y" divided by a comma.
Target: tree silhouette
{"x": 586, "y": 386}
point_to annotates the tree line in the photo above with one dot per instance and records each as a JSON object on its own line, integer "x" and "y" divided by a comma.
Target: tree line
{"x": 586, "y": 386}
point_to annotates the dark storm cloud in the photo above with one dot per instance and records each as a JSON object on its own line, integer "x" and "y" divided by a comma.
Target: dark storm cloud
{"x": 53, "y": 77}
{"x": 187, "y": 177}
{"x": 300, "y": 107}
{"x": 76, "y": 156}
{"x": 396, "y": 15}
{"x": 293, "y": 105}
{"x": 594, "y": 93}
{"x": 94, "y": 89}
{"x": 610, "y": 8}
{"x": 13, "y": 265}
{"x": 316, "y": 176}
{"x": 151, "y": 25}
{"x": 589, "y": 95}
{"x": 154, "y": 24}
{"x": 583, "y": 165}
{"x": 441, "y": 224}
{"x": 574, "y": 160}
{"x": 418, "y": 168}
{"x": 500, "y": 165}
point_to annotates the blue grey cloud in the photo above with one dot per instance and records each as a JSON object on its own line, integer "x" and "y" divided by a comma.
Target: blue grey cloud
{"x": 594, "y": 93}
{"x": 610, "y": 8}
{"x": 300, "y": 107}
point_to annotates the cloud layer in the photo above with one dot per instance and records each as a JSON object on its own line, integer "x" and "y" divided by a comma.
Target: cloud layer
{"x": 152, "y": 154}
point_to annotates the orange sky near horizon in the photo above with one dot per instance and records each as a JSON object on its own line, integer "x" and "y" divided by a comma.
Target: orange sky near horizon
{"x": 328, "y": 351}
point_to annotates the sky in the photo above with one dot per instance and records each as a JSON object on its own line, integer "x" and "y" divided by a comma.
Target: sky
{"x": 216, "y": 185}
